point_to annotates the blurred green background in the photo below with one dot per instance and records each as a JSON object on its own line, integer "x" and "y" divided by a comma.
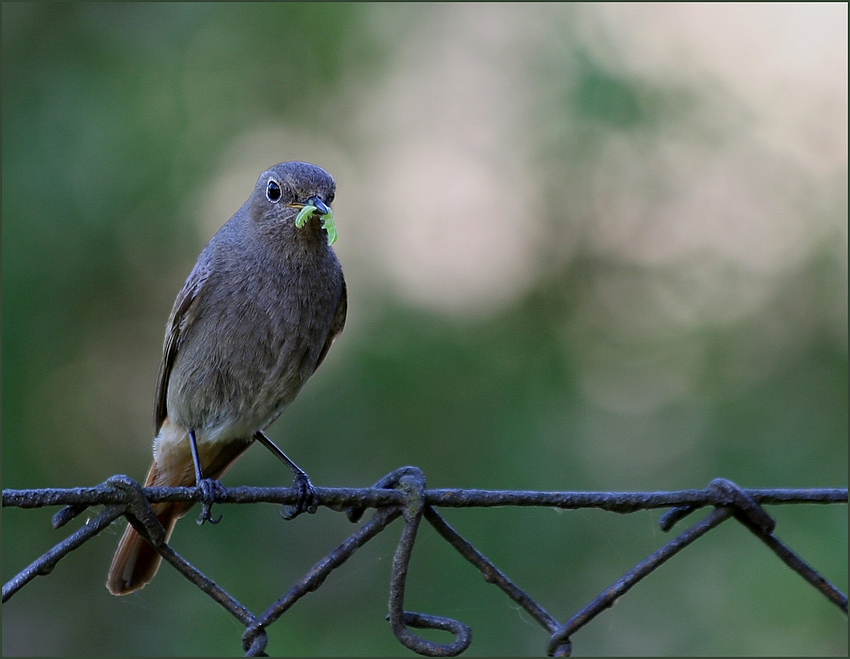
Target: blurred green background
{"x": 588, "y": 247}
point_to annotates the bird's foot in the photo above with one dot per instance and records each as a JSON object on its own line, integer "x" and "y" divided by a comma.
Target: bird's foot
{"x": 210, "y": 488}
{"x": 308, "y": 500}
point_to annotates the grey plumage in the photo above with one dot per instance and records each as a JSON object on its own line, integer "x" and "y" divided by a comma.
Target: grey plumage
{"x": 253, "y": 321}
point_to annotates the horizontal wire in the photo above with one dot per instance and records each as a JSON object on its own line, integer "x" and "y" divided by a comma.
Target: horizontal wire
{"x": 402, "y": 493}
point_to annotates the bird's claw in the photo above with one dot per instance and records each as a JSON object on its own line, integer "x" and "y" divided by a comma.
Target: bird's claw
{"x": 307, "y": 502}
{"x": 210, "y": 488}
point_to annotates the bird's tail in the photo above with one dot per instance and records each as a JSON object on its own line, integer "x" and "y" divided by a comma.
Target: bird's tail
{"x": 135, "y": 562}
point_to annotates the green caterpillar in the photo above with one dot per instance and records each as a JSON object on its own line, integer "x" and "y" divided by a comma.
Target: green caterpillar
{"x": 328, "y": 223}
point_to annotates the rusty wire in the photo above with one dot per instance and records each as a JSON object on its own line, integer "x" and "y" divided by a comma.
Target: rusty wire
{"x": 403, "y": 493}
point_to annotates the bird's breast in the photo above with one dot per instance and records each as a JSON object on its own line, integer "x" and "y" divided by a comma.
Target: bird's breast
{"x": 255, "y": 341}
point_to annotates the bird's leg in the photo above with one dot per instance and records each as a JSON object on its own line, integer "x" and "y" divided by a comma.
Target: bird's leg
{"x": 307, "y": 499}
{"x": 208, "y": 486}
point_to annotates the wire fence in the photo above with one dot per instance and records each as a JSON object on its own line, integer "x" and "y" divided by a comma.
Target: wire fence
{"x": 403, "y": 494}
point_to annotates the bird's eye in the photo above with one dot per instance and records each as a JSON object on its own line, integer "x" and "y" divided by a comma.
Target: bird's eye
{"x": 273, "y": 191}
{"x": 330, "y": 199}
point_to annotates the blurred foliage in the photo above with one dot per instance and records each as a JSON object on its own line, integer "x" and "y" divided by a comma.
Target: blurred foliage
{"x": 609, "y": 370}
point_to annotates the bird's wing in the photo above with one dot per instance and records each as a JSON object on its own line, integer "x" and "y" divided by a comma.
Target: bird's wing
{"x": 182, "y": 315}
{"x": 336, "y": 325}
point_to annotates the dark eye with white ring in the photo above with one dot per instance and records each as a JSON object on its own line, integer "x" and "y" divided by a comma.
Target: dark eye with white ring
{"x": 273, "y": 191}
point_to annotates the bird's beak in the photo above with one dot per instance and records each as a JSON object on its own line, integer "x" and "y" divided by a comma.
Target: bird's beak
{"x": 315, "y": 202}
{"x": 321, "y": 208}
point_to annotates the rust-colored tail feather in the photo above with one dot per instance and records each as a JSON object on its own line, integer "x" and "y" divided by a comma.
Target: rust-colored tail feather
{"x": 136, "y": 562}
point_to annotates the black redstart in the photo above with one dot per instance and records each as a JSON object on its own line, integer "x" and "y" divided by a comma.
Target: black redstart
{"x": 253, "y": 321}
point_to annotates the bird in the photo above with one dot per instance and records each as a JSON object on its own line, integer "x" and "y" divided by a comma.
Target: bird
{"x": 254, "y": 320}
